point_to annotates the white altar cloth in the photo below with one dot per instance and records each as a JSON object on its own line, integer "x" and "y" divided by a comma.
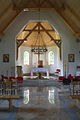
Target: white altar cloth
{"x": 40, "y": 70}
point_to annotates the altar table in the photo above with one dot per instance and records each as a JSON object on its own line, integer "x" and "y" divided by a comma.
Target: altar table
{"x": 39, "y": 70}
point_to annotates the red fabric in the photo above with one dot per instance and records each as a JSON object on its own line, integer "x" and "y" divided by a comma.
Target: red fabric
{"x": 19, "y": 79}
{"x": 4, "y": 77}
{"x": 11, "y": 78}
{"x": 71, "y": 77}
{"x": 77, "y": 77}
{"x": 61, "y": 78}
{"x": 58, "y": 70}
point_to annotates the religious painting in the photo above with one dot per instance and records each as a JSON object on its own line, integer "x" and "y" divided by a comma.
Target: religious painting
{"x": 5, "y": 57}
{"x": 71, "y": 58}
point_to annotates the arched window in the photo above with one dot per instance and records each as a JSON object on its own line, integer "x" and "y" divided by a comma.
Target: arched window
{"x": 51, "y": 58}
{"x": 26, "y": 58}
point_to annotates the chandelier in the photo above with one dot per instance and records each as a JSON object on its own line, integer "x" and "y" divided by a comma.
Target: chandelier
{"x": 39, "y": 50}
{"x": 39, "y": 46}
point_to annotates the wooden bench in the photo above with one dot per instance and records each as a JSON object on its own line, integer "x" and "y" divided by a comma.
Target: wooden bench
{"x": 76, "y": 82}
{"x": 9, "y": 98}
{"x": 75, "y": 96}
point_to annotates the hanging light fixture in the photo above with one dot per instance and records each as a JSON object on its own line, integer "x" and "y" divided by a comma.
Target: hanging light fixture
{"x": 40, "y": 49}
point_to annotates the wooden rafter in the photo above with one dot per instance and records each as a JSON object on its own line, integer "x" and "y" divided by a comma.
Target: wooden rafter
{"x": 77, "y": 34}
{"x": 52, "y": 5}
{"x": 28, "y": 30}
{"x": 31, "y": 4}
{"x": 12, "y": 19}
{"x": 72, "y": 11}
{"x": 28, "y": 35}
{"x": 62, "y": 16}
{"x": 15, "y": 7}
{"x": 41, "y": 9}
{"x": 5, "y": 10}
{"x": 42, "y": 2}
{"x": 49, "y": 35}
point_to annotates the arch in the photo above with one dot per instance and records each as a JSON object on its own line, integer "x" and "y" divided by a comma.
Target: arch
{"x": 55, "y": 20}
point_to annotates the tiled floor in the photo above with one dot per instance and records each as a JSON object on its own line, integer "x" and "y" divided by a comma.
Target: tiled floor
{"x": 43, "y": 103}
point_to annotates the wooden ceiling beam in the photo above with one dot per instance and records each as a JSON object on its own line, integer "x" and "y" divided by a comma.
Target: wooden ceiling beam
{"x": 49, "y": 35}
{"x": 72, "y": 11}
{"x": 28, "y": 30}
{"x": 14, "y": 17}
{"x": 42, "y": 2}
{"x": 32, "y": 4}
{"x": 26, "y": 39}
{"x": 77, "y": 35}
{"x": 28, "y": 35}
{"x": 5, "y": 10}
{"x": 62, "y": 16}
{"x": 72, "y": 28}
{"x": 35, "y": 3}
{"x": 34, "y": 8}
{"x": 16, "y": 7}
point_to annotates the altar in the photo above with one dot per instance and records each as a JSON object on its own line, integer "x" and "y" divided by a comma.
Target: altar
{"x": 40, "y": 70}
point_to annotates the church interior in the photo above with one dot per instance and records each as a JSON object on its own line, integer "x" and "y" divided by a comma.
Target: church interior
{"x": 39, "y": 60}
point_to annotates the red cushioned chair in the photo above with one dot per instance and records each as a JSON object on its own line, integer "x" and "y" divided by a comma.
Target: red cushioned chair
{"x": 4, "y": 78}
{"x": 77, "y": 77}
{"x": 57, "y": 72}
{"x": 19, "y": 79}
{"x": 61, "y": 78}
{"x": 70, "y": 77}
{"x": 13, "y": 80}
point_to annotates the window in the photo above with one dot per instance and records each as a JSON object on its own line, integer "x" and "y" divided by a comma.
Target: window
{"x": 26, "y": 58}
{"x": 51, "y": 58}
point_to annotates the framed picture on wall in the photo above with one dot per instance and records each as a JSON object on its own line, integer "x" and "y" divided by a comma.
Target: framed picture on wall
{"x": 5, "y": 57}
{"x": 71, "y": 57}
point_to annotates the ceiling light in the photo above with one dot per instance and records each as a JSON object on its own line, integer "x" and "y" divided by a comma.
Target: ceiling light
{"x": 26, "y": 9}
{"x": 25, "y": 41}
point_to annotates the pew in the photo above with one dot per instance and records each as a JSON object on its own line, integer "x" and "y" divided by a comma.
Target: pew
{"x": 9, "y": 98}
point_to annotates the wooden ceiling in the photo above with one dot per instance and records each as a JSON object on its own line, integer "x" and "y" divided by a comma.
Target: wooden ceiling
{"x": 69, "y": 10}
{"x": 38, "y": 34}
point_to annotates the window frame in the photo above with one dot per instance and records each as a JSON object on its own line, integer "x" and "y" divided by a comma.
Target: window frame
{"x": 49, "y": 62}
{"x": 26, "y": 53}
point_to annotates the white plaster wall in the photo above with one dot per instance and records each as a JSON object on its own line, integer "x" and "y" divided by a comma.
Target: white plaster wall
{"x": 20, "y": 61}
{"x": 7, "y": 45}
{"x": 52, "y": 68}
{"x": 33, "y": 59}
